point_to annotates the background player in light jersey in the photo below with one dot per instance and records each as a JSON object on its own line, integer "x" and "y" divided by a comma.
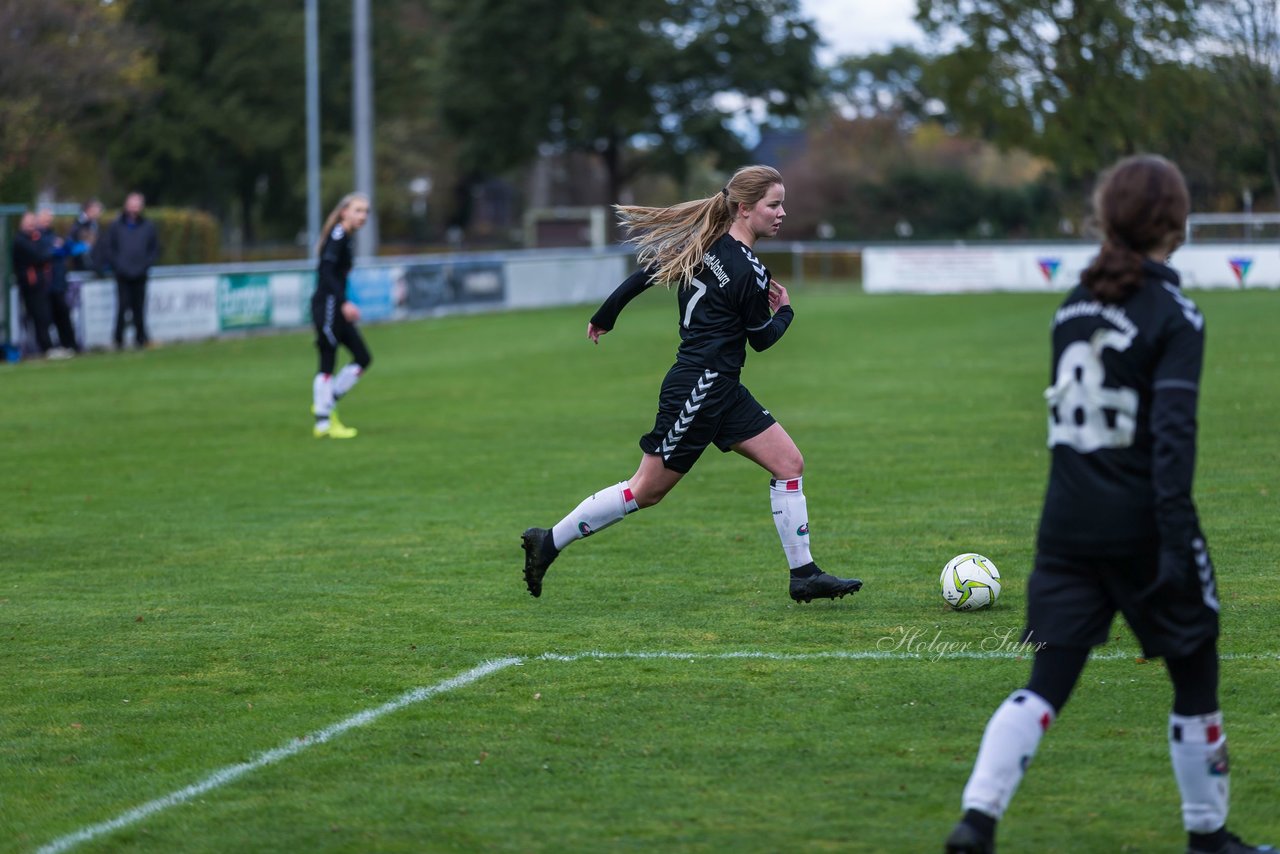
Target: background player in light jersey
{"x": 726, "y": 299}
{"x": 335, "y": 317}
{"x": 1119, "y": 531}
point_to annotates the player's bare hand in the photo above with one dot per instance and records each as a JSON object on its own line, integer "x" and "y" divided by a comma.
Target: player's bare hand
{"x": 351, "y": 312}
{"x": 594, "y": 332}
{"x": 778, "y": 296}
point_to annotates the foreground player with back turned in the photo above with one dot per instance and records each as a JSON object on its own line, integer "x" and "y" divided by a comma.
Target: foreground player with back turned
{"x": 1119, "y": 531}
{"x": 726, "y": 299}
{"x": 335, "y": 318}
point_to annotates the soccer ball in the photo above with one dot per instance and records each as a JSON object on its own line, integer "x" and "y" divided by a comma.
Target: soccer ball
{"x": 969, "y": 582}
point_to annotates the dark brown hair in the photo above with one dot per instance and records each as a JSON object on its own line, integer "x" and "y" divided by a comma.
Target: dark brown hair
{"x": 1139, "y": 203}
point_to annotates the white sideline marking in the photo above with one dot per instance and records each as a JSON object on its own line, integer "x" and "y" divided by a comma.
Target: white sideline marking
{"x": 867, "y": 655}
{"x": 233, "y": 772}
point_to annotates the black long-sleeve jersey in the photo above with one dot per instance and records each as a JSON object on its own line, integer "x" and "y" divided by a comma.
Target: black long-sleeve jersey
{"x": 1122, "y": 422}
{"x": 724, "y": 308}
{"x": 335, "y": 265}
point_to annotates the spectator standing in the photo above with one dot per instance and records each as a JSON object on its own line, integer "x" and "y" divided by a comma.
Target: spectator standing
{"x": 55, "y": 273}
{"x": 30, "y": 269}
{"x": 82, "y": 238}
{"x": 130, "y": 248}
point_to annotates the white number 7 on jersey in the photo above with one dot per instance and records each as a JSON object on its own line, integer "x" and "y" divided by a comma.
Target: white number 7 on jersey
{"x": 693, "y": 300}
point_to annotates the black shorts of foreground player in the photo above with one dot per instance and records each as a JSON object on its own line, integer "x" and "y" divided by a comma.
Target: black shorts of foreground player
{"x": 1119, "y": 531}
{"x": 726, "y": 300}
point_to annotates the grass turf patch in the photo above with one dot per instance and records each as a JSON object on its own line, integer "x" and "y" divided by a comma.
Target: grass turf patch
{"x": 190, "y": 579}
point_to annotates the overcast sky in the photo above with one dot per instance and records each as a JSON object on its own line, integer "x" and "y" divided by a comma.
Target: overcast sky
{"x": 863, "y": 26}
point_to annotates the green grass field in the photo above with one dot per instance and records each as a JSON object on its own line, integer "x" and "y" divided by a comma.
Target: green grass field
{"x": 189, "y": 580}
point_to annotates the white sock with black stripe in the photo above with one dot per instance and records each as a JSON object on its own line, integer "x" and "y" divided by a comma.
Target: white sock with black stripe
{"x": 596, "y": 513}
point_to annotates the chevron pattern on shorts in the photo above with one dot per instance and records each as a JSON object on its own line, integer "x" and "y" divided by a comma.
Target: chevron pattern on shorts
{"x": 691, "y": 406}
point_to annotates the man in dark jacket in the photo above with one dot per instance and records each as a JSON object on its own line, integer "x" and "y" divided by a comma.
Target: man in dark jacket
{"x": 31, "y": 269}
{"x": 130, "y": 248}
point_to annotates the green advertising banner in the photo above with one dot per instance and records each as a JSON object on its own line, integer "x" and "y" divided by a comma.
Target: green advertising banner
{"x": 244, "y": 301}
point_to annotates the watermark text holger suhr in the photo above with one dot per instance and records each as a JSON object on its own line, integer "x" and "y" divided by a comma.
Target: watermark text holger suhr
{"x": 917, "y": 641}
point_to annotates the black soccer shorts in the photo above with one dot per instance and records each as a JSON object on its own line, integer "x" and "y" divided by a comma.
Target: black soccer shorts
{"x": 697, "y": 407}
{"x": 332, "y": 330}
{"x": 1071, "y": 602}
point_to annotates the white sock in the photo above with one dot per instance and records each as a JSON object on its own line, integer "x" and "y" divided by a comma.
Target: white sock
{"x": 791, "y": 518}
{"x": 1198, "y": 750}
{"x": 1011, "y": 739}
{"x": 345, "y": 380}
{"x": 322, "y": 396}
{"x": 596, "y": 513}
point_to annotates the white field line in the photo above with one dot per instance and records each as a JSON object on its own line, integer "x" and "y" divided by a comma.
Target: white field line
{"x": 925, "y": 654}
{"x": 233, "y": 772}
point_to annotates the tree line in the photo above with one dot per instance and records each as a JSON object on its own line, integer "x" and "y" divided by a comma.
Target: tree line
{"x": 995, "y": 127}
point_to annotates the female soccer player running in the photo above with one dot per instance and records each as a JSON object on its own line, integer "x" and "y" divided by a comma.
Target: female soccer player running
{"x": 1119, "y": 531}
{"x": 726, "y": 300}
{"x": 335, "y": 318}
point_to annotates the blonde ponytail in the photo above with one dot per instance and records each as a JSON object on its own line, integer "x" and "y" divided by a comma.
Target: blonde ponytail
{"x": 334, "y": 215}
{"x": 674, "y": 240}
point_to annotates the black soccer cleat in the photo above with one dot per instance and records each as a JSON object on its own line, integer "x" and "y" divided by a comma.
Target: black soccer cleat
{"x": 820, "y": 585}
{"x": 539, "y": 551}
{"x": 966, "y": 839}
{"x": 1236, "y": 845}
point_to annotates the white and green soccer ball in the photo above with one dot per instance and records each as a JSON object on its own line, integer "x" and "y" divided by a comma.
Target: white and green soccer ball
{"x": 969, "y": 582}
